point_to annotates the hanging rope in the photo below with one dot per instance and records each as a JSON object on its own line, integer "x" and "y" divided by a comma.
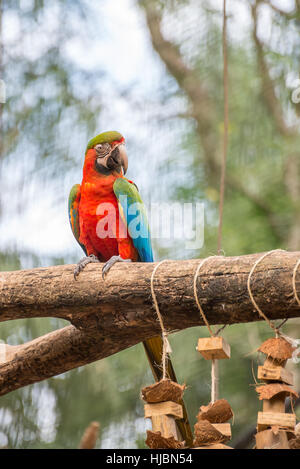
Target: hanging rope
{"x": 214, "y": 370}
{"x": 196, "y": 294}
{"x": 225, "y": 135}
{"x": 214, "y": 363}
{"x": 166, "y": 345}
{"x": 260, "y": 312}
{"x": 294, "y": 282}
{"x": 294, "y": 342}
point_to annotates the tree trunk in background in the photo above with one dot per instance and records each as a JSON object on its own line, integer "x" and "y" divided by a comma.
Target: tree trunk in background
{"x": 292, "y": 182}
{"x": 290, "y": 133}
{"x": 203, "y": 111}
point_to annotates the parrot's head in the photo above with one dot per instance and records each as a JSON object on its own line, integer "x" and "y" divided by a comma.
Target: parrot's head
{"x": 108, "y": 153}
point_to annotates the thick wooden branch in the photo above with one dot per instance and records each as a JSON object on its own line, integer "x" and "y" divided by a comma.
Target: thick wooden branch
{"x": 109, "y": 316}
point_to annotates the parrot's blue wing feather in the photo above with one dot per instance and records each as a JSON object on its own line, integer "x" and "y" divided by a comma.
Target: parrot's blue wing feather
{"x": 74, "y": 199}
{"x": 134, "y": 212}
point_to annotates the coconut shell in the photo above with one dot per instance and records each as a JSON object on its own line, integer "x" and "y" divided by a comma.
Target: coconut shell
{"x": 156, "y": 441}
{"x": 164, "y": 390}
{"x": 294, "y": 443}
{"x": 277, "y": 348}
{"x": 206, "y": 434}
{"x": 217, "y": 412}
{"x": 268, "y": 391}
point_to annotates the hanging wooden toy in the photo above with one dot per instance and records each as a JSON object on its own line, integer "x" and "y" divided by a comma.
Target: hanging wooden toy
{"x": 164, "y": 399}
{"x": 164, "y": 406}
{"x": 274, "y": 426}
{"x": 212, "y": 429}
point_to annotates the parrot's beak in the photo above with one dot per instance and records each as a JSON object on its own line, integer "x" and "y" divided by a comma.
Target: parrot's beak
{"x": 114, "y": 160}
{"x": 123, "y": 157}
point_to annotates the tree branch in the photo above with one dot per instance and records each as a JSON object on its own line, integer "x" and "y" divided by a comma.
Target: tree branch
{"x": 289, "y": 132}
{"x": 268, "y": 85}
{"x": 202, "y": 106}
{"x": 286, "y": 14}
{"x": 109, "y": 316}
{"x": 202, "y": 110}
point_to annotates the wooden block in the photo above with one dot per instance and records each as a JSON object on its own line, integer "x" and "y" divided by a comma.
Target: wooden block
{"x": 214, "y": 446}
{"x": 163, "y": 408}
{"x": 213, "y": 348}
{"x": 267, "y": 439}
{"x": 224, "y": 428}
{"x": 276, "y": 404}
{"x": 278, "y": 373}
{"x": 166, "y": 425}
{"x": 278, "y": 419}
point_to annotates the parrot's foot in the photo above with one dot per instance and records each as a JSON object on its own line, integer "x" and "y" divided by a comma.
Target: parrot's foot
{"x": 83, "y": 262}
{"x": 108, "y": 265}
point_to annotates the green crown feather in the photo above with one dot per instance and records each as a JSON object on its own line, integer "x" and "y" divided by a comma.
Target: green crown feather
{"x": 105, "y": 137}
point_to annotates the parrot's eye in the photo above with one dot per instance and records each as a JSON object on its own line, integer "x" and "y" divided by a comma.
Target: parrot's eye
{"x": 102, "y": 149}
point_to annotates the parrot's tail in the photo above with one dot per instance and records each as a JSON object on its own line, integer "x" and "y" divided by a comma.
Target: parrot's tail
{"x": 154, "y": 352}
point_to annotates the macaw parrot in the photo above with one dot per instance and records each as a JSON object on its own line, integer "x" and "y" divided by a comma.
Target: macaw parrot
{"x": 102, "y": 202}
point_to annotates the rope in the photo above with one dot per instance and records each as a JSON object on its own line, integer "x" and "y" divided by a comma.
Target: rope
{"x": 294, "y": 342}
{"x": 294, "y": 282}
{"x": 225, "y": 136}
{"x": 214, "y": 381}
{"x": 275, "y": 329}
{"x": 166, "y": 345}
{"x": 214, "y": 363}
{"x": 196, "y": 294}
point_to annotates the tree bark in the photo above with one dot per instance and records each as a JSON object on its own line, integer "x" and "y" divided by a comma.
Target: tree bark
{"x": 109, "y": 316}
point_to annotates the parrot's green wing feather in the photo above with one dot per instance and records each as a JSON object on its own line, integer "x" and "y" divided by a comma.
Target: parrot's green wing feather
{"x": 134, "y": 213}
{"x": 74, "y": 199}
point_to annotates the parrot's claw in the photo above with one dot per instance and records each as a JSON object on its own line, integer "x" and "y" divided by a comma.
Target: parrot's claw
{"x": 108, "y": 265}
{"x": 84, "y": 262}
